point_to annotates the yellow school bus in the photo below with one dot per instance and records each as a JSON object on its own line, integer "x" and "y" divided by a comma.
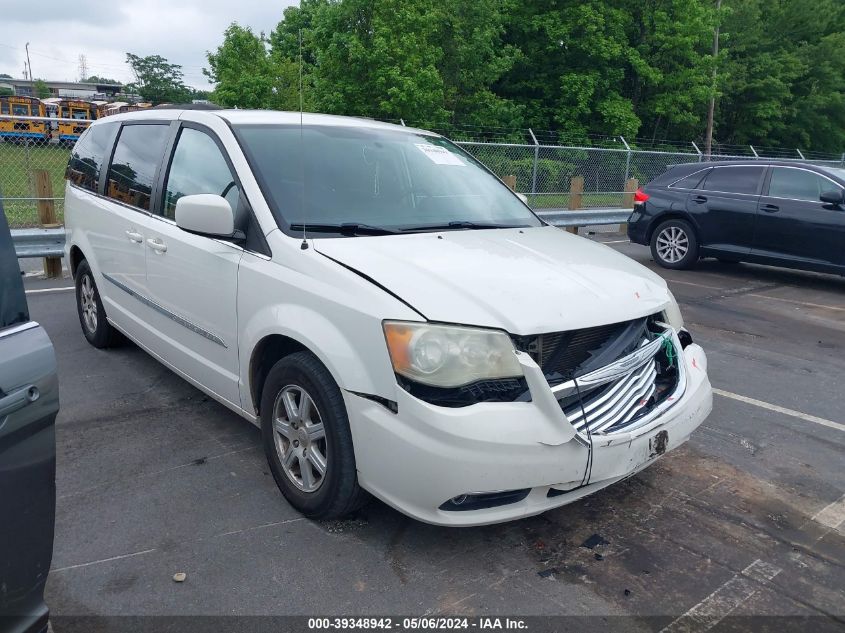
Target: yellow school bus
{"x": 18, "y": 129}
{"x": 81, "y": 111}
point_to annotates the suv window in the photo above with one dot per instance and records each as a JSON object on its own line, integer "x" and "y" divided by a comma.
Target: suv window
{"x": 133, "y": 168}
{"x": 88, "y": 156}
{"x": 734, "y": 179}
{"x": 198, "y": 166}
{"x": 12, "y": 298}
{"x": 798, "y": 184}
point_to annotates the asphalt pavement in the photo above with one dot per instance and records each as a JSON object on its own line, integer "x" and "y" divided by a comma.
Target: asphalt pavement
{"x": 746, "y": 519}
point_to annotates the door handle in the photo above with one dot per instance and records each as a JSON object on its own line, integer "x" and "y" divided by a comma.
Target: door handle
{"x": 157, "y": 245}
{"x": 699, "y": 199}
{"x": 134, "y": 236}
{"x": 17, "y": 400}
{"x": 770, "y": 208}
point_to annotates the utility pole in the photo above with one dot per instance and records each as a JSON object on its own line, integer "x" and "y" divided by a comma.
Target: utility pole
{"x": 708, "y": 140}
{"x": 28, "y": 63}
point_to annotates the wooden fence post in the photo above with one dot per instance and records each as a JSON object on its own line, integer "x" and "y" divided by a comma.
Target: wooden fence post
{"x": 576, "y": 189}
{"x": 47, "y": 218}
{"x": 631, "y": 186}
{"x": 510, "y": 181}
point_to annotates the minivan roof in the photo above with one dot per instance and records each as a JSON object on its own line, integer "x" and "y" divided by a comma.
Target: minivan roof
{"x": 264, "y": 117}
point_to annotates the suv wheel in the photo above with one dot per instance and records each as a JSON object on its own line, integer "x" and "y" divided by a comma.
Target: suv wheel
{"x": 306, "y": 436}
{"x": 674, "y": 244}
{"x": 92, "y": 316}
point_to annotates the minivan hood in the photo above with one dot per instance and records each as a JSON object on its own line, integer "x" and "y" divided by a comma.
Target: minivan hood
{"x": 525, "y": 281}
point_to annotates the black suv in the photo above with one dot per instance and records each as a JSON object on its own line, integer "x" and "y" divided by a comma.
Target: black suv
{"x": 782, "y": 213}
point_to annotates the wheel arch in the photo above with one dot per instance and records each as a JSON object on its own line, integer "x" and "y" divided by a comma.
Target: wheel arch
{"x": 266, "y": 353}
{"x": 356, "y": 358}
{"x": 75, "y": 256}
{"x": 673, "y": 215}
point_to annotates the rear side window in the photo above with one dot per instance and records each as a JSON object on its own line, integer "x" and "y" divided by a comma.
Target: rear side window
{"x": 734, "y": 179}
{"x": 798, "y": 184}
{"x": 88, "y": 156}
{"x": 198, "y": 167}
{"x": 13, "y": 308}
{"x": 133, "y": 168}
{"x": 690, "y": 182}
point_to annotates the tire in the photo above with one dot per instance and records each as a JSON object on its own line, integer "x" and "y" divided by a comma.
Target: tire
{"x": 289, "y": 432}
{"x": 92, "y": 315}
{"x": 674, "y": 244}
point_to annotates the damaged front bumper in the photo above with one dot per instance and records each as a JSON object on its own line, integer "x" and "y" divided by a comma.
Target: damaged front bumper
{"x": 514, "y": 459}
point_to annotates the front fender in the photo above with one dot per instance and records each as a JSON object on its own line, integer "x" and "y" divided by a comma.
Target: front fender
{"x": 362, "y": 366}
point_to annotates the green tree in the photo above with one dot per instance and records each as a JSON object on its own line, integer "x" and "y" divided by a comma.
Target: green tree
{"x": 246, "y": 75}
{"x": 40, "y": 89}
{"x": 424, "y": 61}
{"x": 94, "y": 79}
{"x": 157, "y": 80}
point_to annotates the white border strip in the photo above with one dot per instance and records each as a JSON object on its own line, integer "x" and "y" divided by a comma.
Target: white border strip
{"x": 773, "y": 407}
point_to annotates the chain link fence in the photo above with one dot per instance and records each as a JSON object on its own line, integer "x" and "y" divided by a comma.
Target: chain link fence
{"x": 32, "y": 169}
{"x": 545, "y": 172}
{"x": 34, "y": 154}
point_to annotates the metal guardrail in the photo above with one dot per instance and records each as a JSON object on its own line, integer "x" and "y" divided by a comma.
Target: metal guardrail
{"x": 592, "y": 217}
{"x": 51, "y": 242}
{"x": 39, "y": 242}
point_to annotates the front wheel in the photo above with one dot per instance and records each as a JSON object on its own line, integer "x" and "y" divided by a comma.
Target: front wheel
{"x": 307, "y": 440}
{"x": 674, "y": 244}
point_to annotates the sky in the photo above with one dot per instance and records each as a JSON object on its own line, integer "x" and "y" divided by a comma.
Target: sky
{"x": 59, "y": 31}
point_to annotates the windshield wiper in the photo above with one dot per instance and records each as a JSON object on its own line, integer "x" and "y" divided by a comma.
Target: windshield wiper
{"x": 462, "y": 224}
{"x": 346, "y": 228}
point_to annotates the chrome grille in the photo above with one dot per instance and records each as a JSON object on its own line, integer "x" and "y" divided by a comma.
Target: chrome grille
{"x": 616, "y": 405}
{"x": 625, "y": 393}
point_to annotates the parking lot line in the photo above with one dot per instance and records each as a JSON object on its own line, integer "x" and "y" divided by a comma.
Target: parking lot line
{"x": 104, "y": 560}
{"x": 713, "y": 609}
{"x": 800, "y": 303}
{"x": 691, "y": 283}
{"x": 779, "y": 409}
{"x": 832, "y": 515}
{"x": 38, "y": 291}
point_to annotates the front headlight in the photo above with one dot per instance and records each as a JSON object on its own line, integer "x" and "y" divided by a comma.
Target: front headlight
{"x": 673, "y": 313}
{"x": 449, "y": 355}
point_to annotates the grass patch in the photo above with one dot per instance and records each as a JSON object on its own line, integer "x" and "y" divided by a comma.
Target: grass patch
{"x": 589, "y": 200}
{"x": 17, "y": 163}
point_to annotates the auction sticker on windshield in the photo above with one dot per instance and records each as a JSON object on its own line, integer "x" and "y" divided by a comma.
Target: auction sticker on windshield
{"x": 440, "y": 155}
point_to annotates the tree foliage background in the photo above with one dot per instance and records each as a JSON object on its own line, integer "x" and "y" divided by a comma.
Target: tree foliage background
{"x": 639, "y": 68}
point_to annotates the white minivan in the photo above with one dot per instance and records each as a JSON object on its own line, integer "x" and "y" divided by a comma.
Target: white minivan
{"x": 394, "y": 318}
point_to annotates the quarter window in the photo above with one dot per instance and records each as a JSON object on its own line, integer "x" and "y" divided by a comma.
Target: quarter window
{"x": 734, "y": 179}
{"x": 88, "y": 156}
{"x": 691, "y": 181}
{"x": 798, "y": 184}
{"x": 198, "y": 167}
{"x": 133, "y": 168}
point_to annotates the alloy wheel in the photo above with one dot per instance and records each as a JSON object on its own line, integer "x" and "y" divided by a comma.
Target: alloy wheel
{"x": 672, "y": 244}
{"x": 88, "y": 301}
{"x": 300, "y": 438}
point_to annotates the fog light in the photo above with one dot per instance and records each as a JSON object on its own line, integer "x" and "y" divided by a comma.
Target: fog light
{"x": 481, "y": 500}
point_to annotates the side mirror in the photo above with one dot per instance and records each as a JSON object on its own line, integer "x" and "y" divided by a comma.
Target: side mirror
{"x": 205, "y": 213}
{"x": 832, "y": 197}
{"x": 522, "y": 197}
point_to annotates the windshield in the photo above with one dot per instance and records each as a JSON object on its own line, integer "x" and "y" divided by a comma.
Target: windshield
{"x": 835, "y": 171}
{"x": 376, "y": 178}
